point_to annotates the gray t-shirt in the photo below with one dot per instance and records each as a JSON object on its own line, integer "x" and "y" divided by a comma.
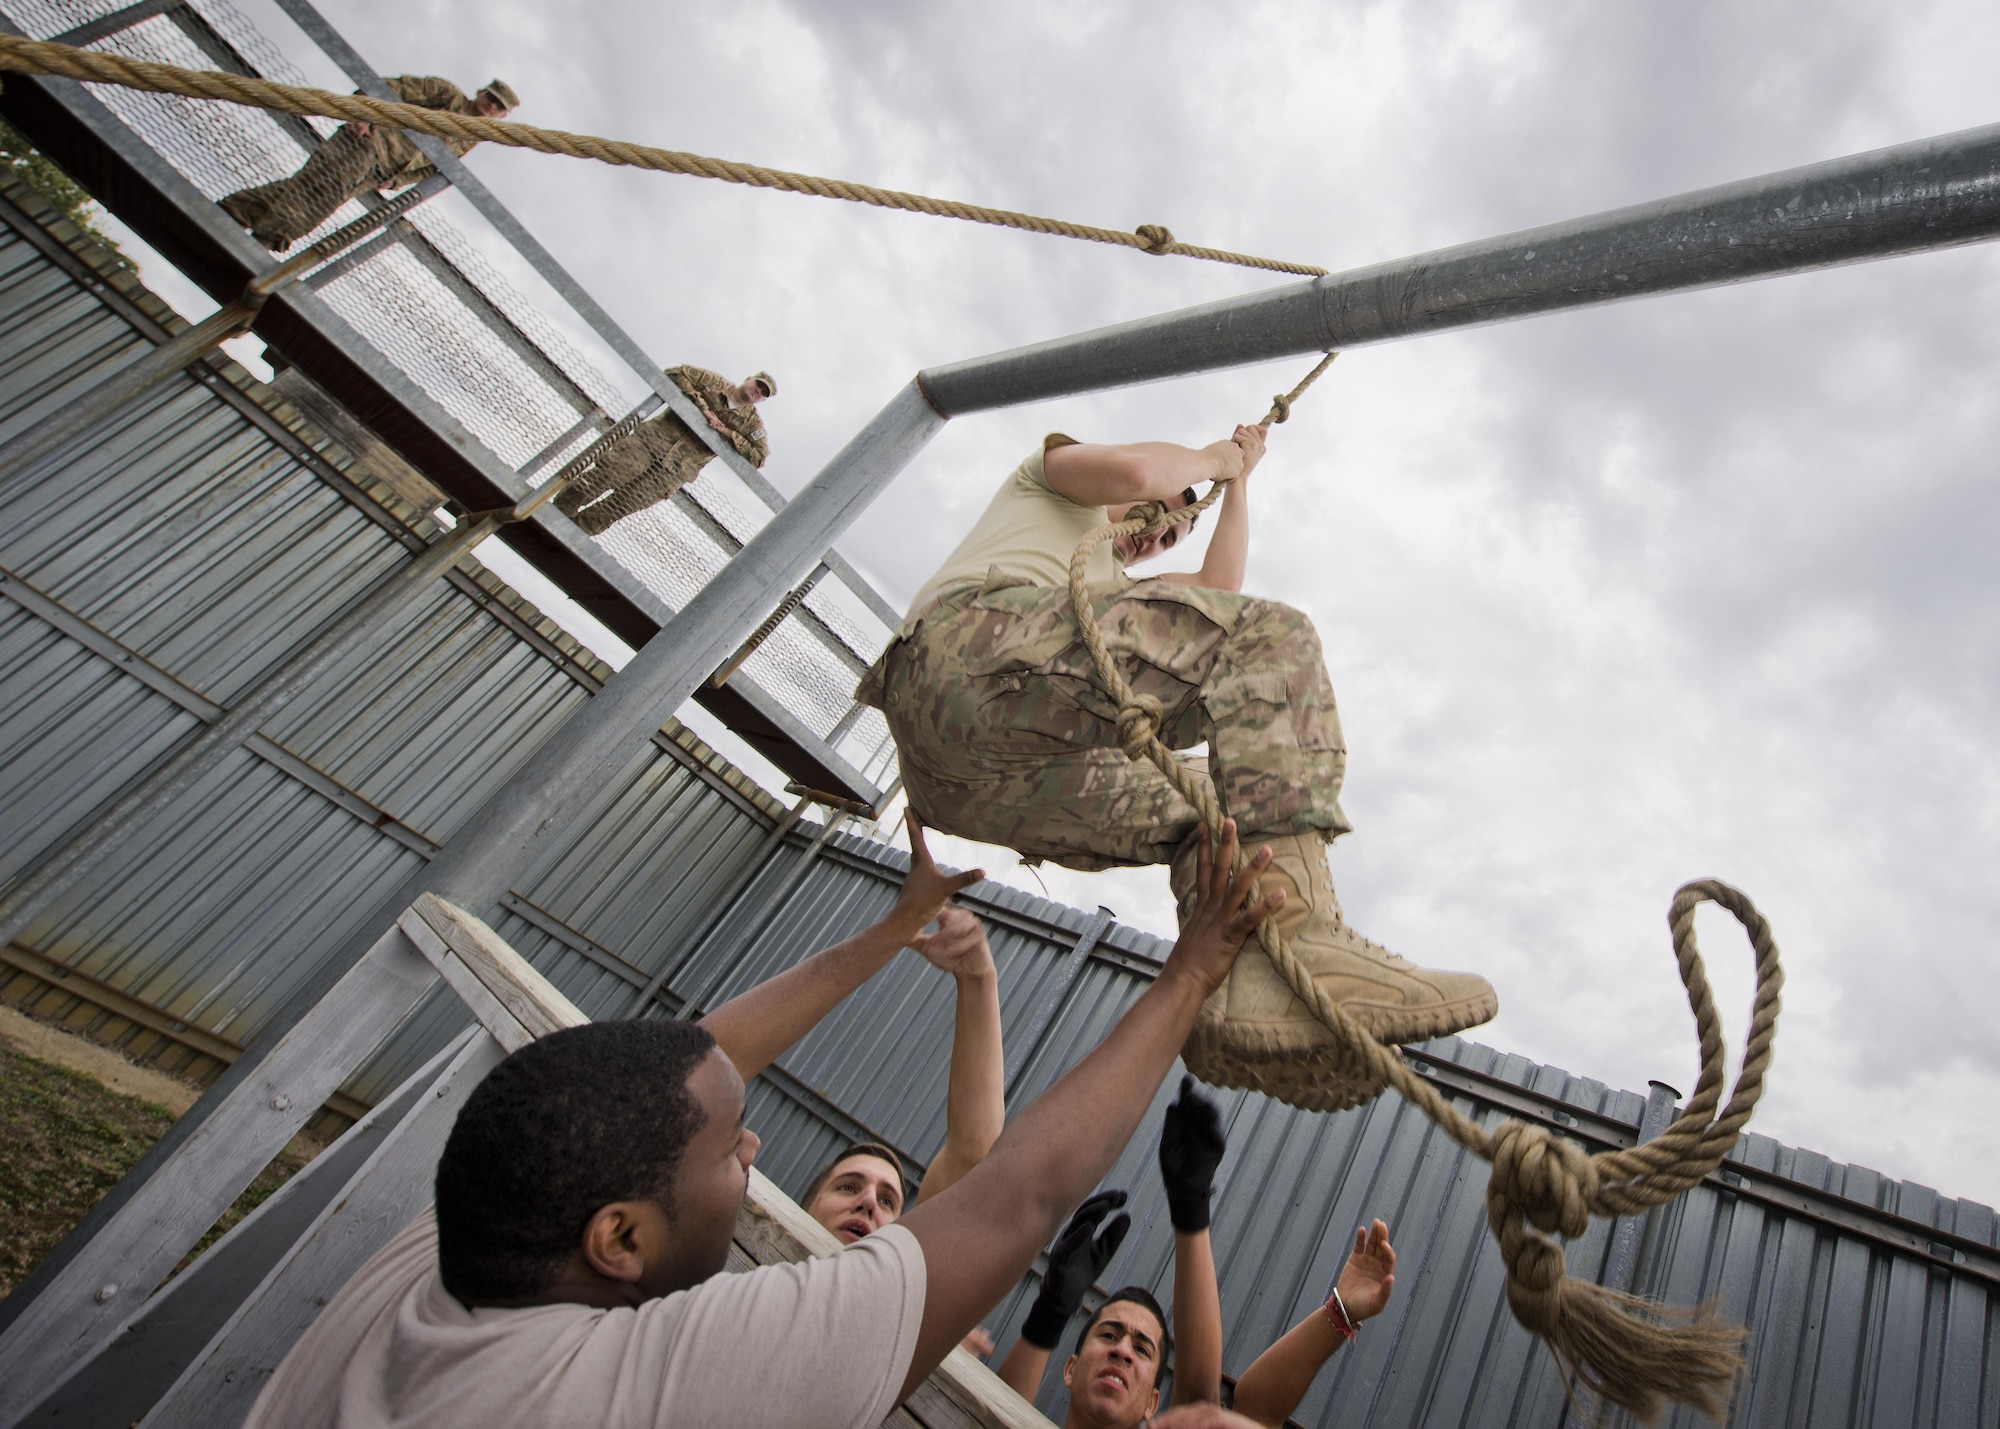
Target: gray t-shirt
{"x": 824, "y": 1342}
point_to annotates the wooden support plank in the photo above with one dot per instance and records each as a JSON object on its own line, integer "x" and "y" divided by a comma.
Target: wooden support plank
{"x": 389, "y": 1192}
{"x": 474, "y": 960}
{"x": 131, "y": 1252}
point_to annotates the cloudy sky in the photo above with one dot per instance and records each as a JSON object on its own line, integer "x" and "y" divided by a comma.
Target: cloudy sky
{"x": 1695, "y": 586}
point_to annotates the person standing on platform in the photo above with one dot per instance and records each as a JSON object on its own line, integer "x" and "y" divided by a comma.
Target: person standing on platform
{"x": 661, "y": 455}
{"x": 360, "y": 158}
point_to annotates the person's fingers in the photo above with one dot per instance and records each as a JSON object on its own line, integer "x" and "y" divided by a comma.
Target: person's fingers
{"x": 959, "y": 882}
{"x": 1112, "y": 1236}
{"x": 1203, "y": 861}
{"x": 1187, "y": 1086}
{"x": 914, "y": 826}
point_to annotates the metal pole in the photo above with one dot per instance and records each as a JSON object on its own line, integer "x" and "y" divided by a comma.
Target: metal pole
{"x": 771, "y": 622}
{"x": 62, "y": 869}
{"x": 94, "y": 407}
{"x": 1934, "y": 193}
{"x": 1621, "y": 1261}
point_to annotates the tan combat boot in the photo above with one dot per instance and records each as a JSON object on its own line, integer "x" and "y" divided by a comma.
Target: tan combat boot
{"x": 1255, "y": 1033}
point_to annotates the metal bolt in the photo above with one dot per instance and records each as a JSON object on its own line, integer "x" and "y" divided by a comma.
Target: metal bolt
{"x": 106, "y": 1294}
{"x": 281, "y": 1102}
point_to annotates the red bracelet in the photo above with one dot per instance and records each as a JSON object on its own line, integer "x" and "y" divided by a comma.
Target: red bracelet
{"x": 1337, "y": 1316}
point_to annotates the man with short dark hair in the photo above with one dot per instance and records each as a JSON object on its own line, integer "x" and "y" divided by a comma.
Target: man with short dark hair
{"x": 357, "y": 158}
{"x": 609, "y": 1311}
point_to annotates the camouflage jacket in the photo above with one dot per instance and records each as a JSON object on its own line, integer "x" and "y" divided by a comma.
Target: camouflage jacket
{"x": 710, "y": 392}
{"x": 398, "y": 160}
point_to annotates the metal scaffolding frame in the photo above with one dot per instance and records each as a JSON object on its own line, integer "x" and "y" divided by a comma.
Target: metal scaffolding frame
{"x": 1931, "y": 194}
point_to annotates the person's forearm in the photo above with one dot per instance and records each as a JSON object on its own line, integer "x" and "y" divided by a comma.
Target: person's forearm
{"x": 1227, "y": 561}
{"x": 1277, "y": 1382}
{"x": 755, "y": 1027}
{"x": 1103, "y": 475}
{"x": 989, "y": 1228}
{"x": 975, "y": 1102}
{"x": 1197, "y": 1321}
{"x": 1023, "y": 1368}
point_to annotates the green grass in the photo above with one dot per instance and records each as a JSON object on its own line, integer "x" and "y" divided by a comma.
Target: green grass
{"x": 65, "y": 1139}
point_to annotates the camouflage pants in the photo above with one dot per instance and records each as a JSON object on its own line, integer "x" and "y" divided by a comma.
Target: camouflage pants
{"x": 279, "y": 214}
{"x": 646, "y": 466}
{"x": 1005, "y": 735}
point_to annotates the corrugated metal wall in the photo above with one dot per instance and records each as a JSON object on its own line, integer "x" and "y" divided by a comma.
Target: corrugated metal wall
{"x": 198, "y": 543}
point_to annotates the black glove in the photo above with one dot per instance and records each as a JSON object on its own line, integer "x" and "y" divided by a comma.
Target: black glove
{"x": 1191, "y": 1147}
{"x": 1075, "y": 1260}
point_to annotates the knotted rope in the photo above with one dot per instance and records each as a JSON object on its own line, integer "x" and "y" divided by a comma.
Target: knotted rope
{"x": 103, "y": 67}
{"x": 1627, "y": 1350}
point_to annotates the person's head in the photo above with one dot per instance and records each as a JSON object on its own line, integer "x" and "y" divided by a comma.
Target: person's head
{"x": 603, "y": 1164}
{"x": 757, "y": 387}
{"x": 858, "y": 1192}
{"x": 1114, "y": 1375}
{"x": 496, "y": 99}
{"x": 1132, "y": 550}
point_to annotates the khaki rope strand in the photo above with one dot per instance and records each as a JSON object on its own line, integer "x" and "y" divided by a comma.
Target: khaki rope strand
{"x": 1626, "y": 1350}
{"x": 103, "y": 67}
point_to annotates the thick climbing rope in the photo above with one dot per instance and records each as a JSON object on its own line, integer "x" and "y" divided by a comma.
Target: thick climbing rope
{"x": 103, "y": 67}
{"x": 1629, "y": 1351}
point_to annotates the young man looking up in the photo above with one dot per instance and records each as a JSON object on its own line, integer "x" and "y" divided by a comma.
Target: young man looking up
{"x": 1005, "y": 735}
{"x": 588, "y": 1194}
{"x": 1113, "y": 1375}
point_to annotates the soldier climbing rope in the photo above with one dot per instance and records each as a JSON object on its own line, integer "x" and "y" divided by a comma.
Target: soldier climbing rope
{"x": 1616, "y": 1345}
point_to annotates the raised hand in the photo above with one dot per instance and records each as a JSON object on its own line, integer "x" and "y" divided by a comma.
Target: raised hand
{"x": 1077, "y": 1258}
{"x": 1223, "y": 915}
{"x": 1369, "y": 1277}
{"x": 1250, "y": 441}
{"x": 926, "y": 888}
{"x": 958, "y": 946}
{"x": 1191, "y": 1147}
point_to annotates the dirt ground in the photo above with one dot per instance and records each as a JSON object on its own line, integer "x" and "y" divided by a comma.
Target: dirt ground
{"x": 74, "y": 1118}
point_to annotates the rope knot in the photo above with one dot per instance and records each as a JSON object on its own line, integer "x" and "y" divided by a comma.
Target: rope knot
{"x": 1148, "y": 512}
{"x": 1159, "y": 238}
{"x": 1540, "y": 1175}
{"x": 1281, "y": 408}
{"x": 1139, "y": 724}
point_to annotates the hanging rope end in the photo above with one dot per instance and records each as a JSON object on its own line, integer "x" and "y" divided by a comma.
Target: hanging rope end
{"x": 1642, "y": 1356}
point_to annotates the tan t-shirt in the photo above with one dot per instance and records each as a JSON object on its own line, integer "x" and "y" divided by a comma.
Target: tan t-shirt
{"x": 1027, "y": 530}
{"x": 824, "y": 1342}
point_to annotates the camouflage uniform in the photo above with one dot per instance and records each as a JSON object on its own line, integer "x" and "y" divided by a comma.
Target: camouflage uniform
{"x": 1006, "y": 736}
{"x": 658, "y": 457}
{"x": 346, "y": 164}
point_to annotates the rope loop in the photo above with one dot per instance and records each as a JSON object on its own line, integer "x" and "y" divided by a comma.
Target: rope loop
{"x": 1159, "y": 238}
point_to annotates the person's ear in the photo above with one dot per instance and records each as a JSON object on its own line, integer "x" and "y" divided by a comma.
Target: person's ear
{"x": 1152, "y": 1404}
{"x": 611, "y": 1242}
{"x": 1068, "y": 1365}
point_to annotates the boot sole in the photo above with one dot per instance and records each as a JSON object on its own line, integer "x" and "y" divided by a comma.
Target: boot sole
{"x": 1308, "y": 1071}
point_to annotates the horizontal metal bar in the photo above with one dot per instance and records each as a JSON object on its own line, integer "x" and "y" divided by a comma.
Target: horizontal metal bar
{"x": 91, "y": 31}
{"x": 577, "y": 942}
{"x": 335, "y": 792}
{"x": 1933, "y": 193}
{"x": 579, "y": 672}
{"x": 60, "y": 617}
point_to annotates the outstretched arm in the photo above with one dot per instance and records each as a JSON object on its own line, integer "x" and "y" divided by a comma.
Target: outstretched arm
{"x": 1097, "y": 474}
{"x": 975, "y": 1103}
{"x": 755, "y": 1027}
{"x": 1227, "y": 559}
{"x": 1191, "y": 1148}
{"x": 1272, "y": 1387}
{"x": 980, "y": 1235}
{"x": 1077, "y": 1258}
